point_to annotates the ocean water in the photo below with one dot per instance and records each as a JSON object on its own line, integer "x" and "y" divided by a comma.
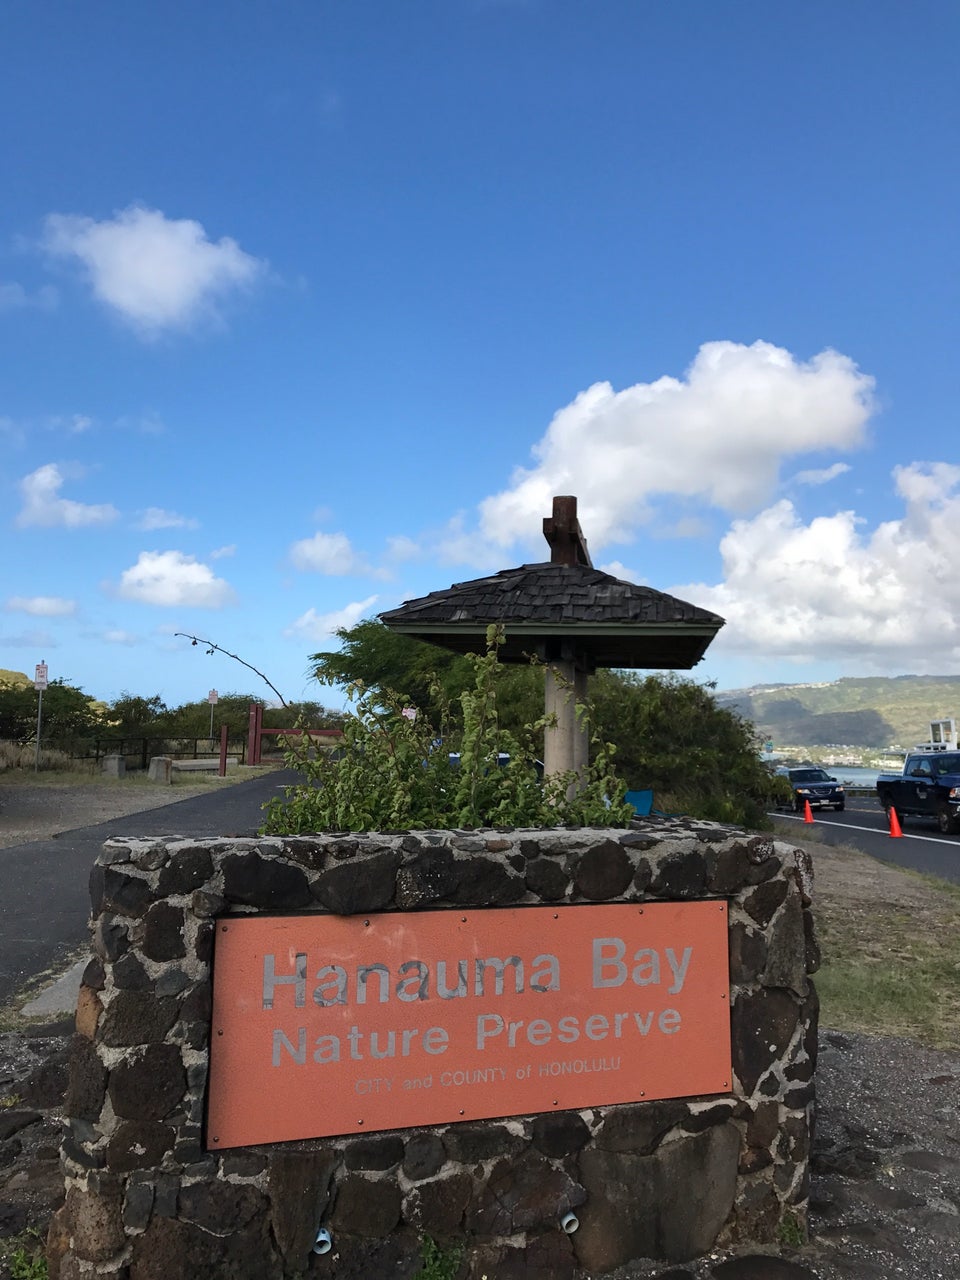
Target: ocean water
{"x": 855, "y": 776}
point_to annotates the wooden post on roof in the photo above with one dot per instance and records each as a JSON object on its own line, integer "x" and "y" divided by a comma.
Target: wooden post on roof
{"x": 564, "y": 535}
{"x": 565, "y": 739}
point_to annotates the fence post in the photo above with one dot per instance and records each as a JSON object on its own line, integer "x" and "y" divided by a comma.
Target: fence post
{"x": 252, "y": 734}
{"x": 224, "y": 730}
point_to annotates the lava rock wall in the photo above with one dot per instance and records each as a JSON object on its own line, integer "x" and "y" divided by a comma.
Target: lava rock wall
{"x": 146, "y": 1200}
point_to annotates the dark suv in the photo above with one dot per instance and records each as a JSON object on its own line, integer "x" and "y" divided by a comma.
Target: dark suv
{"x": 813, "y": 784}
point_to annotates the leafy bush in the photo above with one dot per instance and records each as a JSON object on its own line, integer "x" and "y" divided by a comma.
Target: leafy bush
{"x": 439, "y": 1263}
{"x": 698, "y": 757}
{"x": 69, "y": 715}
{"x": 394, "y": 771}
{"x": 670, "y": 733}
{"x": 25, "y": 1260}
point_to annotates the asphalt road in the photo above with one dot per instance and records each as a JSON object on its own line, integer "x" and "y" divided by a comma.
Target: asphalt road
{"x": 44, "y": 902}
{"x": 863, "y": 824}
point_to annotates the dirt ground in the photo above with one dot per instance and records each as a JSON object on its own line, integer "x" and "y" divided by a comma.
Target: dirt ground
{"x": 36, "y": 807}
{"x": 848, "y": 878}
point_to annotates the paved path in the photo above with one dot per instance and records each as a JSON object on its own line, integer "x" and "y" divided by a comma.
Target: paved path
{"x": 44, "y": 903}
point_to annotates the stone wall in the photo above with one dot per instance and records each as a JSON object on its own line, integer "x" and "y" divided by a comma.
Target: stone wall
{"x": 663, "y": 1179}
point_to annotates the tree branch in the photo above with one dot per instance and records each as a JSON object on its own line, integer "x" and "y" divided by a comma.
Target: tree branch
{"x": 215, "y": 647}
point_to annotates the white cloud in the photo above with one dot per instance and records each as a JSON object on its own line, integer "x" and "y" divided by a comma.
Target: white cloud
{"x": 145, "y": 424}
{"x": 823, "y": 476}
{"x": 157, "y": 518}
{"x": 170, "y": 578}
{"x": 126, "y": 638}
{"x": 401, "y": 548}
{"x": 718, "y": 435}
{"x": 37, "y": 640}
{"x": 42, "y": 606}
{"x": 42, "y": 505}
{"x": 14, "y": 297}
{"x": 318, "y": 626}
{"x": 887, "y": 600}
{"x": 221, "y": 553}
{"x": 455, "y": 543}
{"x": 329, "y": 553}
{"x": 73, "y": 424}
{"x": 618, "y": 570}
{"x": 158, "y": 273}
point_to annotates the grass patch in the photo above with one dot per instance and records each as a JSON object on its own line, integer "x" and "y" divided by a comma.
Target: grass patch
{"x": 439, "y": 1263}
{"x": 891, "y": 957}
{"x": 14, "y": 757}
{"x": 24, "y": 1256}
{"x": 791, "y": 1232}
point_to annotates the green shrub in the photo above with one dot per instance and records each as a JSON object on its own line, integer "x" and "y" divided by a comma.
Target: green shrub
{"x": 395, "y": 772}
{"x": 439, "y": 1263}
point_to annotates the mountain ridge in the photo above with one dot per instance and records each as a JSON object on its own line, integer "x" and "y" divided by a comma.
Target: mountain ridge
{"x": 878, "y": 712}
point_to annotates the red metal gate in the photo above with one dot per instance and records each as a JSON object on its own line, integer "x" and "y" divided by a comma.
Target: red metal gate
{"x": 256, "y": 733}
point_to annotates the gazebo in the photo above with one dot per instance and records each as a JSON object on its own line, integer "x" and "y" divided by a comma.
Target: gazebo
{"x": 571, "y": 617}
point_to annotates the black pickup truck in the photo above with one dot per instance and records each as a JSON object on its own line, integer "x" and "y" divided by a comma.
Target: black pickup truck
{"x": 928, "y": 787}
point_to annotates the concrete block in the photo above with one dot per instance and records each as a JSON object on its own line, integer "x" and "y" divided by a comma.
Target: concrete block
{"x": 161, "y": 769}
{"x": 114, "y": 766}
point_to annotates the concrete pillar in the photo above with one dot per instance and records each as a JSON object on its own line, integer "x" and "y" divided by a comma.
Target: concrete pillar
{"x": 565, "y": 746}
{"x": 161, "y": 769}
{"x": 113, "y": 766}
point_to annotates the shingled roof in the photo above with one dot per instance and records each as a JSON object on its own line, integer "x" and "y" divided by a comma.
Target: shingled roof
{"x": 608, "y": 622}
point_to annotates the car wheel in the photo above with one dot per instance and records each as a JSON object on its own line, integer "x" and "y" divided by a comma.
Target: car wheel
{"x": 797, "y": 805}
{"x": 946, "y": 822}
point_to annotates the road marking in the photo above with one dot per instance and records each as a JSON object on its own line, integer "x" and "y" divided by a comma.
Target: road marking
{"x": 852, "y": 826}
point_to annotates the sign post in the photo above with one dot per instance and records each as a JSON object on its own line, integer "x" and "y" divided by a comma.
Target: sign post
{"x": 39, "y": 683}
{"x": 212, "y": 698}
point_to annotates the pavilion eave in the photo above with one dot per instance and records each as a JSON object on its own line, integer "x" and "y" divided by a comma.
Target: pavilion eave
{"x": 649, "y": 646}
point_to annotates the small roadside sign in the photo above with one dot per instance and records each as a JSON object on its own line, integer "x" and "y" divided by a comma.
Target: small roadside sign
{"x": 213, "y": 697}
{"x": 40, "y": 676}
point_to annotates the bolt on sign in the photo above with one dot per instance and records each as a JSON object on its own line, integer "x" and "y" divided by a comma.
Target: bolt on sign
{"x": 329, "y": 1025}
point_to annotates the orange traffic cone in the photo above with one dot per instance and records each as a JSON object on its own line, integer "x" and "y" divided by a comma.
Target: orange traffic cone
{"x": 894, "y": 823}
{"x": 807, "y": 811}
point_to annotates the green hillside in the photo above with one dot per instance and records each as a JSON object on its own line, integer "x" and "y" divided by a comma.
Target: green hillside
{"x": 869, "y": 711}
{"x": 13, "y": 677}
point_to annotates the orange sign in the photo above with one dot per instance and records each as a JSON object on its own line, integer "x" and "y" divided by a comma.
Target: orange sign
{"x": 331, "y": 1025}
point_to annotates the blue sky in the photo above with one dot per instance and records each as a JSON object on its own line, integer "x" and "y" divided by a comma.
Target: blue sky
{"x": 308, "y": 308}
